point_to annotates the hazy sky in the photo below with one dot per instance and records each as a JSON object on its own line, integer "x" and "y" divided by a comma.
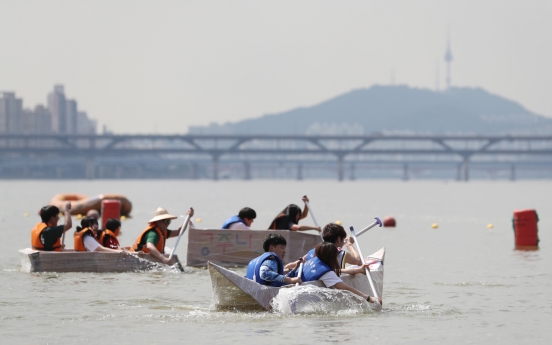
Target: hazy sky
{"x": 160, "y": 66}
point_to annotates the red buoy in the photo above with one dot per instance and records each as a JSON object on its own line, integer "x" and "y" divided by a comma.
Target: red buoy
{"x": 110, "y": 209}
{"x": 389, "y": 222}
{"x": 526, "y": 230}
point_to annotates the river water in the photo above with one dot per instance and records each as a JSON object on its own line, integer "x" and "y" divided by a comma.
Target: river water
{"x": 459, "y": 283}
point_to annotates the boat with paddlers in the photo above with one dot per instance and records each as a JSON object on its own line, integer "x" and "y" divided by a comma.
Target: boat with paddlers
{"x": 71, "y": 261}
{"x": 232, "y": 291}
{"x": 238, "y": 247}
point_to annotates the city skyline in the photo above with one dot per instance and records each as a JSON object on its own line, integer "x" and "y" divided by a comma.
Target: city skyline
{"x": 60, "y": 115}
{"x": 161, "y": 67}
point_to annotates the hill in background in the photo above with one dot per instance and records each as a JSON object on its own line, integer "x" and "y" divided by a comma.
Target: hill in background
{"x": 397, "y": 109}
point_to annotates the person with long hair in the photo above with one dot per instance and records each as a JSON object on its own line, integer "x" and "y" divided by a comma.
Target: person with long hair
{"x": 289, "y": 218}
{"x": 324, "y": 266}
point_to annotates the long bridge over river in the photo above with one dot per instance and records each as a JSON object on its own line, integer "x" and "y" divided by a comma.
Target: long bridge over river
{"x": 96, "y": 153}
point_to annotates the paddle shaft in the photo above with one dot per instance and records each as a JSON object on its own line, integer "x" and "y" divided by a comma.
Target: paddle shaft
{"x": 299, "y": 272}
{"x": 313, "y": 218}
{"x": 378, "y": 221}
{"x": 372, "y": 286}
{"x": 182, "y": 230}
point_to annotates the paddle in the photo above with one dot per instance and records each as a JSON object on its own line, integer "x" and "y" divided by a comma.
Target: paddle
{"x": 378, "y": 221}
{"x": 299, "y": 272}
{"x": 312, "y": 215}
{"x": 66, "y": 214}
{"x": 372, "y": 286}
{"x": 182, "y": 230}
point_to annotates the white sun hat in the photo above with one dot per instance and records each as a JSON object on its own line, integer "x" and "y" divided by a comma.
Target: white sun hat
{"x": 161, "y": 214}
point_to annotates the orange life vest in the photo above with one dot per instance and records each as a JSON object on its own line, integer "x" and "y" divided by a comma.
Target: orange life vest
{"x": 105, "y": 234}
{"x": 138, "y": 245}
{"x": 79, "y": 239}
{"x": 36, "y": 242}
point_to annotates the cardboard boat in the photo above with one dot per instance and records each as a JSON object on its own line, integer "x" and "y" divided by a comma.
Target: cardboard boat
{"x": 237, "y": 247}
{"x": 70, "y": 261}
{"x": 232, "y": 291}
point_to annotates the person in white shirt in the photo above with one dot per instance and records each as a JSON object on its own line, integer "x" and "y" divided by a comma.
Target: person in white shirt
{"x": 242, "y": 221}
{"x": 85, "y": 237}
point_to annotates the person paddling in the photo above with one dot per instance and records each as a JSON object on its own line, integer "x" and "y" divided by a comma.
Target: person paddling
{"x": 336, "y": 234}
{"x": 242, "y": 221}
{"x": 289, "y": 218}
{"x": 325, "y": 267}
{"x": 85, "y": 237}
{"x": 152, "y": 239}
{"x": 46, "y": 235}
{"x": 268, "y": 269}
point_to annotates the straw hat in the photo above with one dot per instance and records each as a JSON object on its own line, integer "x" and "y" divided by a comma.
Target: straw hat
{"x": 161, "y": 214}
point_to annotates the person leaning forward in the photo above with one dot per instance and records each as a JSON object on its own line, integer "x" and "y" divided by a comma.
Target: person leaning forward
{"x": 152, "y": 239}
{"x": 46, "y": 235}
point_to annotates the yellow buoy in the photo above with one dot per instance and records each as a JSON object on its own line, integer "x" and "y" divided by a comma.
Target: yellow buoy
{"x": 198, "y": 220}
{"x": 123, "y": 218}
{"x": 338, "y": 222}
{"x": 26, "y": 214}
{"x": 490, "y": 226}
{"x": 79, "y": 216}
{"x": 434, "y": 226}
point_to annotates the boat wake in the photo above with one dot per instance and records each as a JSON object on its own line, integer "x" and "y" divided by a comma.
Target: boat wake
{"x": 309, "y": 299}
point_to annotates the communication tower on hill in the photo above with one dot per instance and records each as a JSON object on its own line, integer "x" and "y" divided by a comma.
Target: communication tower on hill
{"x": 448, "y": 60}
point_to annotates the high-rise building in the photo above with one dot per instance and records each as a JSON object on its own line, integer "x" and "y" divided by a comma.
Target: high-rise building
{"x": 58, "y": 108}
{"x": 71, "y": 116}
{"x": 11, "y": 109}
{"x": 84, "y": 124}
{"x": 38, "y": 121}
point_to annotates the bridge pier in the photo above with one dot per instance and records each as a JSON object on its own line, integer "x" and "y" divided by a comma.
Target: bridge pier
{"x": 352, "y": 176}
{"x": 466, "y": 168}
{"x": 299, "y": 171}
{"x": 246, "y": 170}
{"x": 340, "y": 168}
{"x": 513, "y": 172}
{"x": 215, "y": 167}
{"x": 405, "y": 172}
{"x": 90, "y": 168}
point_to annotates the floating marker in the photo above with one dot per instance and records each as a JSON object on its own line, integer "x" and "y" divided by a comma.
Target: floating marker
{"x": 490, "y": 226}
{"x": 434, "y": 226}
{"x": 79, "y": 216}
{"x": 198, "y": 220}
{"x": 526, "y": 229}
{"x": 26, "y": 214}
{"x": 338, "y": 222}
{"x": 389, "y": 222}
{"x": 123, "y": 218}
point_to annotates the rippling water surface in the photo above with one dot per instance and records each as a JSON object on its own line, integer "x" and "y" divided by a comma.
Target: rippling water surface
{"x": 460, "y": 283}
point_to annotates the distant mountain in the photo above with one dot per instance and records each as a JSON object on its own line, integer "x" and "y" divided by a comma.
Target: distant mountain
{"x": 397, "y": 109}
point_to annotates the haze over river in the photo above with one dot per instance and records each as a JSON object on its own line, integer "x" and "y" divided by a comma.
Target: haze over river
{"x": 460, "y": 283}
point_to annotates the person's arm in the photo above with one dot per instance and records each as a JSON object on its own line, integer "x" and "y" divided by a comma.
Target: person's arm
{"x": 297, "y": 227}
{"x": 352, "y": 257}
{"x": 305, "y": 208}
{"x": 153, "y": 251}
{"x": 343, "y": 286}
{"x": 174, "y": 233}
{"x": 68, "y": 221}
{"x": 101, "y": 248}
{"x": 269, "y": 273}
{"x": 355, "y": 270}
